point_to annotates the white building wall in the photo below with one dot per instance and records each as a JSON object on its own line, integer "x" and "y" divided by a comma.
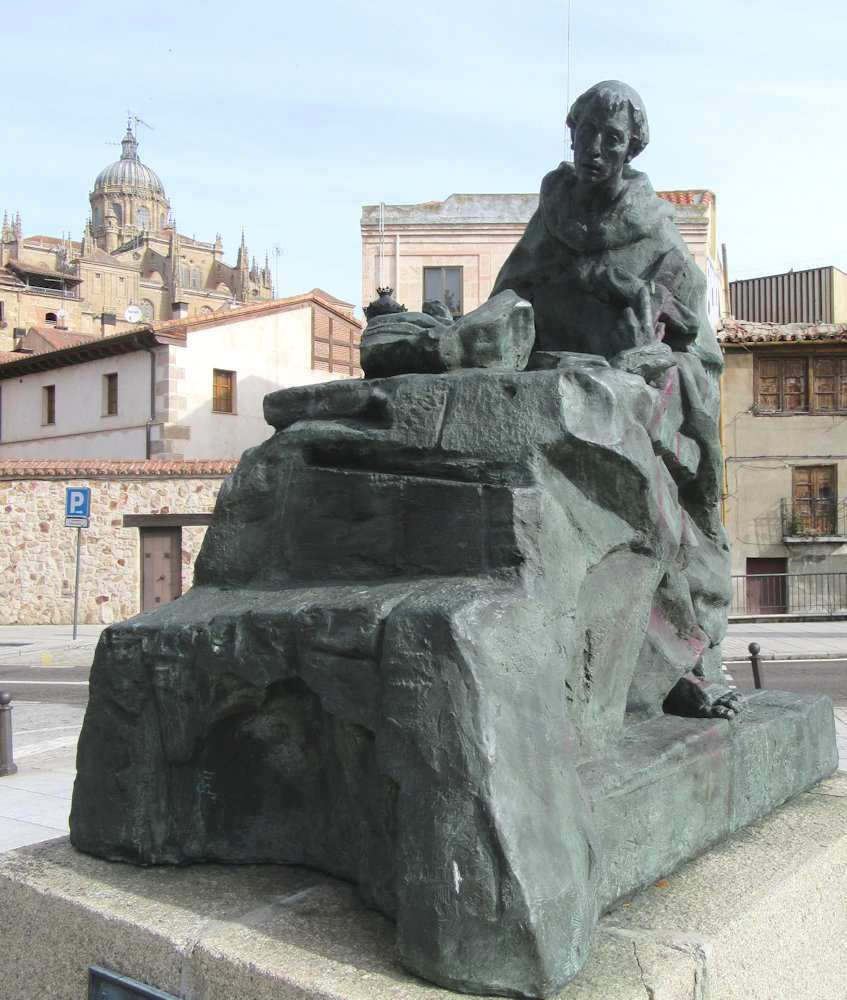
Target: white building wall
{"x": 275, "y": 353}
{"x": 82, "y": 428}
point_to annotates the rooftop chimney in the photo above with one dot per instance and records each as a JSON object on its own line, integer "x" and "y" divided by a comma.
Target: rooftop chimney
{"x": 179, "y": 310}
{"x": 108, "y": 321}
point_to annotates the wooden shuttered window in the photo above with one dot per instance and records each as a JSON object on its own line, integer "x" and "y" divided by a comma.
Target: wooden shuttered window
{"x": 814, "y": 493}
{"x": 830, "y": 385}
{"x": 801, "y": 384}
{"x": 223, "y": 391}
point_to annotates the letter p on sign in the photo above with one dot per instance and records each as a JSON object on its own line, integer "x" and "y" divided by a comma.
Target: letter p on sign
{"x": 78, "y": 503}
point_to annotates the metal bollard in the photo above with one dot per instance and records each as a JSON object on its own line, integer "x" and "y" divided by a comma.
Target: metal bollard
{"x": 755, "y": 649}
{"x": 7, "y": 764}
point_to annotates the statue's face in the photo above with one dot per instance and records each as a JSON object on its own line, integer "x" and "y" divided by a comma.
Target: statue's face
{"x": 601, "y": 145}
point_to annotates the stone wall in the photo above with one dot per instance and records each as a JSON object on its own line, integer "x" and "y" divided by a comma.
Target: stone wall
{"x": 38, "y": 553}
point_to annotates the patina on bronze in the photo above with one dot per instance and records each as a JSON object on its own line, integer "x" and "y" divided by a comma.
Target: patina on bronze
{"x": 455, "y": 630}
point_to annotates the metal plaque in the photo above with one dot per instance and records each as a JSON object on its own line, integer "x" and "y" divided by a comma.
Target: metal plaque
{"x": 76, "y": 522}
{"x": 105, "y": 985}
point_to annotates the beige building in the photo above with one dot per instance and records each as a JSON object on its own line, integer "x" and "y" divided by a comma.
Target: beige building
{"x": 130, "y": 255}
{"x": 453, "y": 250}
{"x": 784, "y": 431}
{"x": 189, "y": 388}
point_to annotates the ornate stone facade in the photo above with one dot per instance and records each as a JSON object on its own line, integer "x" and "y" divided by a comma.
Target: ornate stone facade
{"x": 131, "y": 254}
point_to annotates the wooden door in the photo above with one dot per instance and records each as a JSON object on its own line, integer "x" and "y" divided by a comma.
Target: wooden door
{"x": 766, "y": 587}
{"x": 161, "y": 566}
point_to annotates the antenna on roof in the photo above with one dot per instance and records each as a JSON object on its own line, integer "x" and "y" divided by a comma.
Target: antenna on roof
{"x": 140, "y": 121}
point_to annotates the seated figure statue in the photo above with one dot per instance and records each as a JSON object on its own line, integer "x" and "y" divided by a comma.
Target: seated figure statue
{"x": 608, "y": 275}
{"x": 454, "y": 633}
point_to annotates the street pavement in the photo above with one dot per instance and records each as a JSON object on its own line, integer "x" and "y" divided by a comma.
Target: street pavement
{"x": 35, "y": 801}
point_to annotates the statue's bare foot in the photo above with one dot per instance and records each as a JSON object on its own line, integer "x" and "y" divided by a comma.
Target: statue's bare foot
{"x": 693, "y": 698}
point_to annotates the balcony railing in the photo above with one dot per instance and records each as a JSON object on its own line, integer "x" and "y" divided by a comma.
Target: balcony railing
{"x": 814, "y": 517}
{"x": 789, "y": 594}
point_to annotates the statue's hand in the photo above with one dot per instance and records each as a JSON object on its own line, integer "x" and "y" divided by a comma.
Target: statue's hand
{"x": 696, "y": 699}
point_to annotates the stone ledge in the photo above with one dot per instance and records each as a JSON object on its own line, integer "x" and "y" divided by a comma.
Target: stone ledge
{"x": 760, "y": 916}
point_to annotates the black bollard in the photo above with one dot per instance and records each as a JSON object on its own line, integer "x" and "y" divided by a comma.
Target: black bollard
{"x": 755, "y": 649}
{"x": 7, "y": 763}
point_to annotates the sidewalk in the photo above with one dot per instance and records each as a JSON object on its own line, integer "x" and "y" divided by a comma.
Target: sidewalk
{"x": 34, "y": 802}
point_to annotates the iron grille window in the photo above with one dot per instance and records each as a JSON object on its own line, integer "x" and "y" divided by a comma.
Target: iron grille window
{"x": 801, "y": 384}
{"x": 444, "y": 284}
{"x": 223, "y": 391}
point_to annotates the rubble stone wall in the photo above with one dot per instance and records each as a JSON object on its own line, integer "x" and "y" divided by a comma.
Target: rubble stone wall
{"x": 38, "y": 553}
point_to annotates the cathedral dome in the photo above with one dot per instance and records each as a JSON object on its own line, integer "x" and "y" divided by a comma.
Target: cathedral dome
{"x": 129, "y": 171}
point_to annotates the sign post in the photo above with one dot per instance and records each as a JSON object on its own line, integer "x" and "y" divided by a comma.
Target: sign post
{"x": 77, "y": 510}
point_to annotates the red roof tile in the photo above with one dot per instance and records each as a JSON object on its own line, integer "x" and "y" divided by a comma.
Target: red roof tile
{"x": 93, "y": 468}
{"x": 737, "y": 332}
{"x": 702, "y": 197}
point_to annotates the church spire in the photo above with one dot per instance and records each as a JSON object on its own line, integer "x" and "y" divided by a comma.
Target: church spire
{"x": 129, "y": 144}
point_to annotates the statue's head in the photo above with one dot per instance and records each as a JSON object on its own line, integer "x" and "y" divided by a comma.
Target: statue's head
{"x": 608, "y": 126}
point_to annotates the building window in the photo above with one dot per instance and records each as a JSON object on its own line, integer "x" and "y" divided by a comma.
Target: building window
{"x": 195, "y": 278}
{"x": 186, "y": 276}
{"x": 48, "y": 404}
{"x": 50, "y": 319}
{"x": 813, "y": 500}
{"x": 143, "y": 218}
{"x": 444, "y": 284}
{"x": 110, "y": 394}
{"x": 146, "y": 307}
{"x": 2, "y": 312}
{"x": 117, "y": 211}
{"x": 801, "y": 384}
{"x": 223, "y": 391}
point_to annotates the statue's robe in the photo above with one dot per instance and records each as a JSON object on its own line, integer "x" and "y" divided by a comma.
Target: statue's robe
{"x": 602, "y": 282}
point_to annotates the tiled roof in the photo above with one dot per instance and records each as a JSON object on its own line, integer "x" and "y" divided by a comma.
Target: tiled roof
{"x": 105, "y": 258}
{"x": 52, "y": 241}
{"x": 703, "y": 198}
{"x": 174, "y": 327}
{"x": 739, "y": 332}
{"x": 57, "y": 339}
{"x": 95, "y": 468}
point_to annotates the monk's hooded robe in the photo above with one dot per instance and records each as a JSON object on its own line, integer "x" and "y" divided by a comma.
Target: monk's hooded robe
{"x": 600, "y": 283}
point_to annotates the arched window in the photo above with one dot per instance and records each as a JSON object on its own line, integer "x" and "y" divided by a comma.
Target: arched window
{"x": 195, "y": 277}
{"x": 96, "y": 215}
{"x": 161, "y": 220}
{"x": 118, "y": 213}
{"x": 146, "y": 307}
{"x": 205, "y": 311}
{"x": 143, "y": 218}
{"x": 50, "y": 319}
{"x": 186, "y": 276}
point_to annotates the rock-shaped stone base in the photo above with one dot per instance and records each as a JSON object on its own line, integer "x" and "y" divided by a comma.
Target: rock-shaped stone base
{"x": 279, "y": 768}
{"x": 434, "y": 623}
{"x": 760, "y": 916}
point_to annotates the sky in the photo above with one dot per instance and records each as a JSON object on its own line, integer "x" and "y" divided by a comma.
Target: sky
{"x": 285, "y": 119}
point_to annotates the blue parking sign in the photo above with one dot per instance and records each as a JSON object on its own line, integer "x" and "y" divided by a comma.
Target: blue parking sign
{"x": 77, "y": 502}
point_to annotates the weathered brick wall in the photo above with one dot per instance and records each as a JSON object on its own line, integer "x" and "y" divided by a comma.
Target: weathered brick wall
{"x": 38, "y": 553}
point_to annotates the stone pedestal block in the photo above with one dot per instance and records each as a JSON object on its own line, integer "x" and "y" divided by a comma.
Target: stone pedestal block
{"x": 760, "y": 916}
